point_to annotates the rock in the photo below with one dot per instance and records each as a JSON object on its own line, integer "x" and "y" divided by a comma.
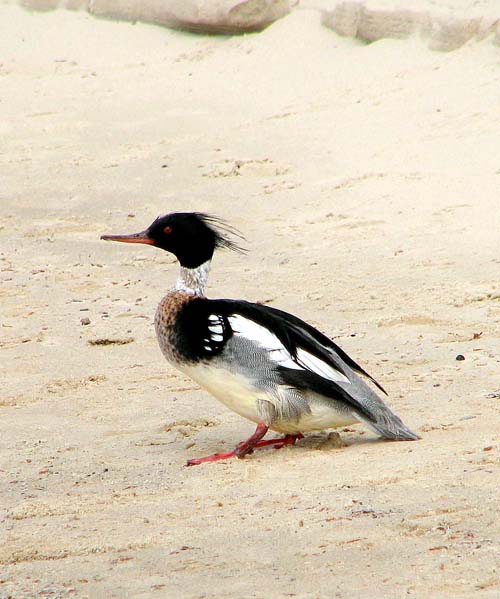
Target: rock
{"x": 222, "y": 16}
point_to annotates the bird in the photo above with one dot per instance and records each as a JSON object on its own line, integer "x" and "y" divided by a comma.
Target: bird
{"x": 263, "y": 363}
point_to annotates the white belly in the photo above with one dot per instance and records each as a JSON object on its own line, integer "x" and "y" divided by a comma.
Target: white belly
{"x": 323, "y": 414}
{"x": 232, "y": 389}
{"x": 239, "y": 395}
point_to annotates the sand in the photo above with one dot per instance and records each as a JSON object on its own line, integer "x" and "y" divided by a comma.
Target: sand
{"x": 366, "y": 180}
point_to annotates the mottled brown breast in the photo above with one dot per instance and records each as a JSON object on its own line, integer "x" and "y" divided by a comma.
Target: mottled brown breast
{"x": 166, "y": 323}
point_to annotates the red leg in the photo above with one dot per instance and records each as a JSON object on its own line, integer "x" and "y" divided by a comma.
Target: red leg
{"x": 245, "y": 447}
{"x": 281, "y": 442}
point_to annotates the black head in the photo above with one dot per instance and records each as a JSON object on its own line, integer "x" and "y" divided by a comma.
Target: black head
{"x": 191, "y": 236}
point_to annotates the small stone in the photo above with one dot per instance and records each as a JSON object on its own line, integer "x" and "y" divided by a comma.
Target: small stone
{"x": 333, "y": 441}
{"x": 85, "y": 321}
{"x": 460, "y": 358}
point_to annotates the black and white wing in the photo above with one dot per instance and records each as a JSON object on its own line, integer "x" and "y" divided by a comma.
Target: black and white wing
{"x": 296, "y": 349}
{"x": 299, "y": 338}
{"x": 304, "y": 358}
{"x": 203, "y": 331}
{"x": 309, "y": 361}
{"x": 290, "y": 356}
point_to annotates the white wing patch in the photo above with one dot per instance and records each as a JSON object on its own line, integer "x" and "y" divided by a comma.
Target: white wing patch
{"x": 216, "y": 328}
{"x": 304, "y": 358}
{"x": 215, "y": 333}
{"x": 279, "y": 354}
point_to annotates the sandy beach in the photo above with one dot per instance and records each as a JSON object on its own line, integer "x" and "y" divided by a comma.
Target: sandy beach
{"x": 366, "y": 180}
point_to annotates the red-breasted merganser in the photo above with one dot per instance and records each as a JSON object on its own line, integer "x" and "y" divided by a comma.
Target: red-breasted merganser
{"x": 263, "y": 363}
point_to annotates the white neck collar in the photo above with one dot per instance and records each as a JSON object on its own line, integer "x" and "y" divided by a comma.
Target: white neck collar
{"x": 193, "y": 280}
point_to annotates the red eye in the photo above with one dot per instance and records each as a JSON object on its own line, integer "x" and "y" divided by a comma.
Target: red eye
{"x": 167, "y": 230}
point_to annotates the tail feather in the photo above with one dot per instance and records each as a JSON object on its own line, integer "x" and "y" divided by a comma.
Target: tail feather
{"x": 375, "y": 414}
{"x": 389, "y": 425}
